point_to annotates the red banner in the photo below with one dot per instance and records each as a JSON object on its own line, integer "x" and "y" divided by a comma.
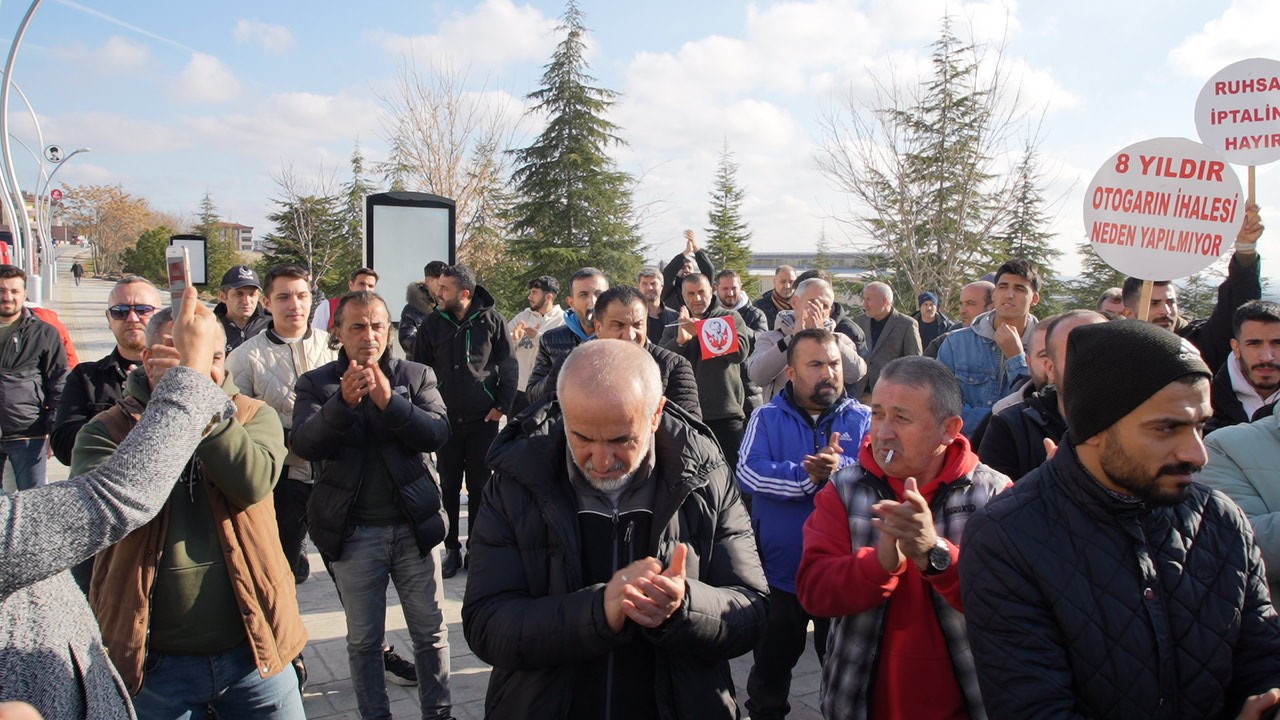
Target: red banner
{"x": 717, "y": 336}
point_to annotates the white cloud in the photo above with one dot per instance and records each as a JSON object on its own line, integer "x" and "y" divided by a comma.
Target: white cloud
{"x": 495, "y": 33}
{"x": 114, "y": 134}
{"x": 272, "y": 38}
{"x": 288, "y": 123}
{"x": 115, "y": 56}
{"x": 205, "y": 79}
{"x": 1244, "y": 30}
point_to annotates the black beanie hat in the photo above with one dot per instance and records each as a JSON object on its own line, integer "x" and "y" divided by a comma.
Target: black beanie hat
{"x": 1114, "y": 367}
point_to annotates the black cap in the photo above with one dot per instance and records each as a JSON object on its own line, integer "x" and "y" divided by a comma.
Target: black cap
{"x": 240, "y": 276}
{"x": 1114, "y": 367}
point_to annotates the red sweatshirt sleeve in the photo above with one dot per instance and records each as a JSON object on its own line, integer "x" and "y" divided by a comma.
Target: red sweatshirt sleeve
{"x": 947, "y": 582}
{"x": 835, "y": 580}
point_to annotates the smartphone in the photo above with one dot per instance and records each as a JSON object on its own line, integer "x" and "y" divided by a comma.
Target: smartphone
{"x": 178, "y": 261}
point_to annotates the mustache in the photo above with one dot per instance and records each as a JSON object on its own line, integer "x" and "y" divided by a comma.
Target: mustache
{"x": 1260, "y": 366}
{"x": 1186, "y": 468}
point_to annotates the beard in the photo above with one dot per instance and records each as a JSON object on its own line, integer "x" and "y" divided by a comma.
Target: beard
{"x": 1266, "y": 387}
{"x": 825, "y": 394}
{"x": 1141, "y": 483}
{"x": 610, "y": 485}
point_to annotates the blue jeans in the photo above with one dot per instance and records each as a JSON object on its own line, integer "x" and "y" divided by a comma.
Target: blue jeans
{"x": 27, "y": 458}
{"x": 184, "y": 687}
{"x": 370, "y": 556}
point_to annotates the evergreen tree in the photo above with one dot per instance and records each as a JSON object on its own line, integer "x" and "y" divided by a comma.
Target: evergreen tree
{"x": 1096, "y": 276}
{"x": 354, "y": 192}
{"x": 146, "y": 258}
{"x": 1026, "y": 235}
{"x": 728, "y": 239}
{"x": 221, "y": 253}
{"x": 922, "y": 162}
{"x": 311, "y": 231}
{"x": 574, "y": 206}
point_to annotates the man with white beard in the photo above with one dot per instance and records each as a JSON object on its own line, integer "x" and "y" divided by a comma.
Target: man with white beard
{"x": 613, "y": 569}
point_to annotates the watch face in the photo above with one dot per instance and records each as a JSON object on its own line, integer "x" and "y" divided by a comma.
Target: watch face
{"x": 939, "y": 558}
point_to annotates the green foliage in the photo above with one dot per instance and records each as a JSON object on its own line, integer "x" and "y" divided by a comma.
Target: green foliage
{"x": 1025, "y": 233}
{"x": 573, "y": 207}
{"x": 728, "y": 239}
{"x": 1096, "y": 276}
{"x": 220, "y": 249}
{"x": 311, "y": 231}
{"x": 146, "y": 258}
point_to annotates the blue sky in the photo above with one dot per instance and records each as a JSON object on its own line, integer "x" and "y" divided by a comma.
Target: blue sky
{"x": 177, "y": 99}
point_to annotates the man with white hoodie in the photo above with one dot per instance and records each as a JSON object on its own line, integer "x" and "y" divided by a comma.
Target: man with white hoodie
{"x": 989, "y": 357}
{"x": 528, "y": 327}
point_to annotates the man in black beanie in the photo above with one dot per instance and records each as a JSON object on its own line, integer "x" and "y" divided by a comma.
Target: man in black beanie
{"x": 1107, "y": 583}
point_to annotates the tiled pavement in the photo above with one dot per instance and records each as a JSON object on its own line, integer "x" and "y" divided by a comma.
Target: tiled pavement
{"x": 329, "y": 692}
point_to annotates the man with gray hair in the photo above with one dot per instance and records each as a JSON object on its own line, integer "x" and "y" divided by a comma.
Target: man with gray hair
{"x": 614, "y": 567}
{"x": 813, "y": 299}
{"x": 890, "y": 334}
{"x": 881, "y": 550}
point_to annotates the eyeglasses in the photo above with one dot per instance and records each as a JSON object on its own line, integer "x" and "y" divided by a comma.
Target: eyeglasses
{"x": 121, "y": 312}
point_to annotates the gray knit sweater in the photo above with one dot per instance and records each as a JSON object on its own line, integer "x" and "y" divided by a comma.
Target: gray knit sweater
{"x": 51, "y": 654}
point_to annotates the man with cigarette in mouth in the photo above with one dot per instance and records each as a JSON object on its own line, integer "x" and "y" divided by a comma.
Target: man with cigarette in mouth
{"x": 895, "y": 598}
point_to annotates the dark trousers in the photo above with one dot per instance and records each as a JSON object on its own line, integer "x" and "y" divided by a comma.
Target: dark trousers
{"x": 728, "y": 432}
{"x": 777, "y": 653}
{"x": 291, "y": 498}
{"x": 463, "y": 456}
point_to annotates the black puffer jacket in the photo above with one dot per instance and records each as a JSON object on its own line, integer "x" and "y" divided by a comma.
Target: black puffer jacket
{"x": 528, "y": 612}
{"x": 91, "y": 388}
{"x": 1082, "y": 605}
{"x": 472, "y": 359}
{"x": 337, "y": 437}
{"x": 419, "y": 304}
{"x": 236, "y": 335}
{"x": 847, "y": 327}
{"x": 33, "y": 370}
{"x": 1013, "y": 442}
{"x": 553, "y": 347}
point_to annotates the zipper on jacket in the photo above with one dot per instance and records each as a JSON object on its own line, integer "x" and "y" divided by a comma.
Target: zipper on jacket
{"x": 608, "y": 678}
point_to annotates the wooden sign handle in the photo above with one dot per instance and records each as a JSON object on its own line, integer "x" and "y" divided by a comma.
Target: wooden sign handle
{"x": 1252, "y": 183}
{"x": 1144, "y": 302}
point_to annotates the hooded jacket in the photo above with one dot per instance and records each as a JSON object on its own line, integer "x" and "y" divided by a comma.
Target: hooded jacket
{"x": 337, "y": 438}
{"x": 979, "y": 364}
{"x": 525, "y": 349}
{"x": 1014, "y": 439}
{"x": 553, "y": 348}
{"x": 1228, "y": 409}
{"x": 33, "y": 370}
{"x": 1081, "y": 603}
{"x": 771, "y": 471}
{"x": 529, "y": 613}
{"x": 419, "y": 305}
{"x": 840, "y": 576}
{"x": 471, "y": 357}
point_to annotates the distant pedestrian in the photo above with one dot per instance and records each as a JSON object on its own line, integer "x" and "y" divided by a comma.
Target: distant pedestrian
{"x": 77, "y": 271}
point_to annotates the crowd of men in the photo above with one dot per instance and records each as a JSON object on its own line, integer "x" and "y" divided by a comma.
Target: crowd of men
{"x": 663, "y": 476}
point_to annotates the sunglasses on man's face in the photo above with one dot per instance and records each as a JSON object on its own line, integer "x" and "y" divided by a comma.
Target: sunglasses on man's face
{"x": 121, "y": 312}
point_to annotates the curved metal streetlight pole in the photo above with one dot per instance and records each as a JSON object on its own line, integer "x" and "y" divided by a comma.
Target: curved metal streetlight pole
{"x": 25, "y": 250}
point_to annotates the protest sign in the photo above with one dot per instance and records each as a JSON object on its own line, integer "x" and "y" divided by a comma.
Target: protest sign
{"x": 1238, "y": 112}
{"x": 1163, "y": 209}
{"x": 717, "y": 336}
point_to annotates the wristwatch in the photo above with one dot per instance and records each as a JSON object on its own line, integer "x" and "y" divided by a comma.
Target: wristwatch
{"x": 939, "y": 558}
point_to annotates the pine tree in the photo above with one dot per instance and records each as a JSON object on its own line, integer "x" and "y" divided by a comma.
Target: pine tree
{"x": 1096, "y": 276}
{"x": 922, "y": 160}
{"x": 221, "y": 253}
{"x": 310, "y": 231}
{"x": 146, "y": 258}
{"x": 728, "y": 239}
{"x": 354, "y": 192}
{"x": 574, "y": 207}
{"x": 1025, "y": 234}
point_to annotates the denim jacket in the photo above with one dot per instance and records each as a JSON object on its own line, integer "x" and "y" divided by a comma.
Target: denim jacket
{"x": 985, "y": 375}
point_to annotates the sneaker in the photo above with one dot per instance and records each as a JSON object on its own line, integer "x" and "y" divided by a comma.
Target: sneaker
{"x": 301, "y": 669}
{"x": 399, "y": 670}
{"x": 452, "y": 563}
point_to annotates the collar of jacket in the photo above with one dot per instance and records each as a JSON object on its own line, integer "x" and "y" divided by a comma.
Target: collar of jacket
{"x": 1083, "y": 489}
{"x": 574, "y": 324}
{"x": 386, "y": 362}
{"x": 532, "y": 452}
{"x": 274, "y": 337}
{"x": 419, "y": 297}
{"x": 959, "y": 463}
{"x": 984, "y": 326}
{"x": 118, "y": 362}
{"x": 787, "y": 399}
{"x": 1041, "y": 407}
